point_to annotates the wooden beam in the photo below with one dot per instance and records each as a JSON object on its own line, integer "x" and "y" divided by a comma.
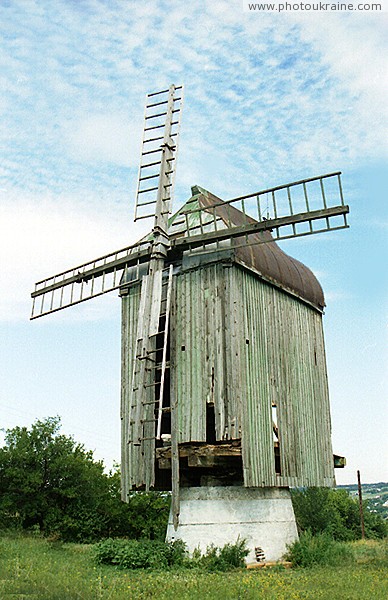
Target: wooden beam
{"x": 202, "y": 450}
{"x": 182, "y": 243}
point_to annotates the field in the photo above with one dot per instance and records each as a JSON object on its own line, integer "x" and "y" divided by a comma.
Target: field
{"x": 31, "y": 567}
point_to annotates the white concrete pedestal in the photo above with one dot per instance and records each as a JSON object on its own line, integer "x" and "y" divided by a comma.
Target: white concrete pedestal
{"x": 264, "y": 517}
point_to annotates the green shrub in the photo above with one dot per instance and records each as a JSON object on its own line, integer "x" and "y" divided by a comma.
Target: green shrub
{"x": 230, "y": 556}
{"x": 318, "y": 549}
{"x": 147, "y": 554}
{"x": 140, "y": 554}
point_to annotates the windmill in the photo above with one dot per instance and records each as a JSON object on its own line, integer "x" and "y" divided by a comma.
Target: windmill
{"x": 224, "y": 386}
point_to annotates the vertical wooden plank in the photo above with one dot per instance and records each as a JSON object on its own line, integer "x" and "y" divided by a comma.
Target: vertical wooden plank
{"x": 174, "y": 349}
{"x": 124, "y": 400}
{"x": 130, "y": 307}
{"x": 156, "y": 287}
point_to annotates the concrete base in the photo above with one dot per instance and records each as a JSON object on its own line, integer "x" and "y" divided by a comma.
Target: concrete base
{"x": 264, "y": 517}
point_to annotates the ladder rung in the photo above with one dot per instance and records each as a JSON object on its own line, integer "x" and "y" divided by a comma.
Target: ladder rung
{"x": 144, "y": 216}
{"x": 144, "y": 358}
{"x": 150, "y": 177}
{"x": 148, "y": 190}
{"x": 175, "y": 110}
{"x": 163, "y": 102}
{"x": 153, "y": 127}
{"x": 158, "y": 93}
{"x": 158, "y": 366}
{"x": 161, "y": 137}
{"x": 157, "y": 104}
{"x": 151, "y": 151}
{"x": 158, "y": 162}
{"x": 155, "y": 351}
{"x": 146, "y": 403}
{"x": 156, "y": 116}
{"x": 160, "y": 126}
{"x": 146, "y": 203}
{"x": 178, "y": 87}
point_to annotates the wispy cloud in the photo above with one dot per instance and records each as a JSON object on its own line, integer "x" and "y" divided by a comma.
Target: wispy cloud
{"x": 42, "y": 236}
{"x": 268, "y": 99}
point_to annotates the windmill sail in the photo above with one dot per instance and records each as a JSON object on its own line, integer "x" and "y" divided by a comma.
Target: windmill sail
{"x": 86, "y": 281}
{"x": 295, "y": 209}
{"x": 159, "y": 152}
{"x": 153, "y": 199}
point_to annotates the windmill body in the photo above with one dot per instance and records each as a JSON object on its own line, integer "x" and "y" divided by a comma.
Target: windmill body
{"x": 224, "y": 395}
{"x": 247, "y": 398}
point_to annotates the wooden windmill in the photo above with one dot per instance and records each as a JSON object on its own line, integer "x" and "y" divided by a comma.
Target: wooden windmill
{"x": 224, "y": 384}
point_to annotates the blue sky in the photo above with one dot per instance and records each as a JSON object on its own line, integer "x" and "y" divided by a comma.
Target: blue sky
{"x": 268, "y": 99}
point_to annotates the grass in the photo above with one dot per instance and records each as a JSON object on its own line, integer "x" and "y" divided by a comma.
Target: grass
{"x": 33, "y": 568}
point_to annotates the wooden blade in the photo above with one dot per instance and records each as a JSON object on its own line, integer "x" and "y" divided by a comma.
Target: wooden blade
{"x": 88, "y": 280}
{"x": 296, "y": 209}
{"x": 156, "y": 178}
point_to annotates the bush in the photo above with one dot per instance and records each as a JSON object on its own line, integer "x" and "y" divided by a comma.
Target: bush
{"x": 140, "y": 554}
{"x": 147, "y": 554}
{"x": 230, "y": 556}
{"x": 319, "y": 549}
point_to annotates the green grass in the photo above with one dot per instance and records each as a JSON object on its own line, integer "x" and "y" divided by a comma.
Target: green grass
{"x": 33, "y": 568}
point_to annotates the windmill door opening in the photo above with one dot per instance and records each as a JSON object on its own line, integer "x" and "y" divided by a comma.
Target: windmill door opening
{"x": 276, "y": 440}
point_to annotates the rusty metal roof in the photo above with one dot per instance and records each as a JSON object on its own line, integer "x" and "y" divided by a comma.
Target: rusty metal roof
{"x": 267, "y": 259}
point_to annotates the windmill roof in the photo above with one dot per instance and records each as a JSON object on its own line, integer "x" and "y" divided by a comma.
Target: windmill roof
{"x": 266, "y": 259}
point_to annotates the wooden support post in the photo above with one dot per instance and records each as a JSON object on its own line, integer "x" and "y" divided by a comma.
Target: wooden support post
{"x": 175, "y": 501}
{"x": 361, "y": 507}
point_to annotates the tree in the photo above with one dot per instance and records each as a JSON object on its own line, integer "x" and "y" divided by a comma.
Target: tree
{"x": 334, "y": 512}
{"x": 49, "y": 481}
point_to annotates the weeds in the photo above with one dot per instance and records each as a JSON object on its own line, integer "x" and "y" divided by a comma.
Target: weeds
{"x": 140, "y": 554}
{"x": 152, "y": 554}
{"x": 319, "y": 549}
{"x": 230, "y": 556}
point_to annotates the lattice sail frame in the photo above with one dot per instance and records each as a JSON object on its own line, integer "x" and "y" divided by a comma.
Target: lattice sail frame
{"x": 296, "y": 209}
{"x": 159, "y": 149}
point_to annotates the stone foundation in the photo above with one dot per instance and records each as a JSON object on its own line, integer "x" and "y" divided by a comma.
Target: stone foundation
{"x": 264, "y": 517}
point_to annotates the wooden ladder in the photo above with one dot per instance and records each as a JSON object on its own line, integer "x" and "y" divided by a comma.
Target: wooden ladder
{"x": 151, "y": 357}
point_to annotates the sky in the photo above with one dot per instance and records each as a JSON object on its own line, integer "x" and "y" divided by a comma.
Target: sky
{"x": 269, "y": 98}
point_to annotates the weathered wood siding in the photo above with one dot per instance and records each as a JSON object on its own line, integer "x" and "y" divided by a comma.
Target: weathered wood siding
{"x": 202, "y": 353}
{"x": 285, "y": 363}
{"x": 129, "y": 318}
{"x": 241, "y": 343}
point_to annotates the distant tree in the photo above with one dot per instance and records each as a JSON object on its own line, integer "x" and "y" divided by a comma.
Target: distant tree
{"x": 335, "y": 512}
{"x": 49, "y": 481}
